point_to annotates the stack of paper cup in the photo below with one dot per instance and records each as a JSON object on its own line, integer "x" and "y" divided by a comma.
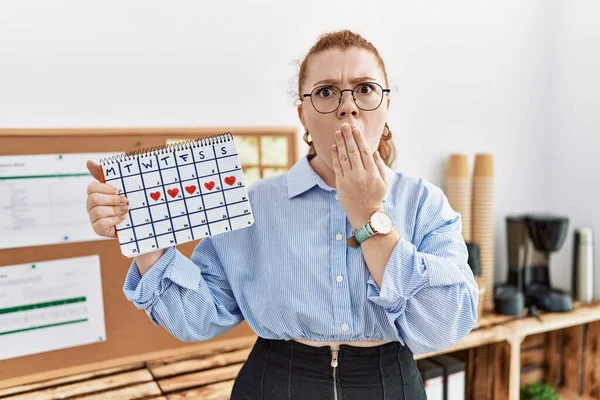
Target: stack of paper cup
{"x": 483, "y": 221}
{"x": 458, "y": 190}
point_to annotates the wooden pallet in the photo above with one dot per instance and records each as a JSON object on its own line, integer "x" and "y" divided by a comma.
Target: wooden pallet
{"x": 561, "y": 349}
{"x": 205, "y": 374}
{"x": 566, "y": 394}
{"x": 566, "y": 358}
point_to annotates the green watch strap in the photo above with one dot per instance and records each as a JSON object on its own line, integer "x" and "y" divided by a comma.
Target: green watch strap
{"x": 363, "y": 233}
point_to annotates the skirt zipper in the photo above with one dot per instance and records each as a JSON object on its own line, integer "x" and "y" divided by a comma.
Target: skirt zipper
{"x": 334, "y": 364}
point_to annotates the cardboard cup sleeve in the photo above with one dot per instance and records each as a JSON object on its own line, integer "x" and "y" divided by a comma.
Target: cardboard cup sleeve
{"x": 458, "y": 190}
{"x": 483, "y": 222}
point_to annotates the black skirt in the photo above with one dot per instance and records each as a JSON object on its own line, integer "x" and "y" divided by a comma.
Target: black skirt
{"x": 280, "y": 370}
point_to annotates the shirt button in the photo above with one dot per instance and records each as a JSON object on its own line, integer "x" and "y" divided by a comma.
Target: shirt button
{"x": 344, "y": 327}
{"x": 339, "y": 279}
{"x": 339, "y": 237}
{"x": 337, "y": 197}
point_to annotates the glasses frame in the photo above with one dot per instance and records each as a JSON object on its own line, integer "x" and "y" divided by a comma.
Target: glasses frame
{"x": 383, "y": 93}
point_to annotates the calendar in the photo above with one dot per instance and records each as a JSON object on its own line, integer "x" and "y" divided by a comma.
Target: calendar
{"x": 179, "y": 193}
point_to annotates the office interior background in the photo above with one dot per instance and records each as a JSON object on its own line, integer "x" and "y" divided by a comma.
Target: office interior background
{"x": 514, "y": 79}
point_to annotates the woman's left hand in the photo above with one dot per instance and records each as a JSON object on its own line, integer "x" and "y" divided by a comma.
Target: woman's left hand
{"x": 360, "y": 175}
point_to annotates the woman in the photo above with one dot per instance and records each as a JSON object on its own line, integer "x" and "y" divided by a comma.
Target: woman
{"x": 349, "y": 268}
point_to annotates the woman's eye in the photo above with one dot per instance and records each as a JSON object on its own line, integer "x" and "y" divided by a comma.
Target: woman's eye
{"x": 365, "y": 88}
{"x": 325, "y": 92}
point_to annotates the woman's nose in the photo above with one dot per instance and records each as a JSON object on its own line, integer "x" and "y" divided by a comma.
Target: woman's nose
{"x": 347, "y": 106}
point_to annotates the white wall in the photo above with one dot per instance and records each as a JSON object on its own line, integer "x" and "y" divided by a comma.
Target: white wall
{"x": 573, "y": 160}
{"x": 468, "y": 76}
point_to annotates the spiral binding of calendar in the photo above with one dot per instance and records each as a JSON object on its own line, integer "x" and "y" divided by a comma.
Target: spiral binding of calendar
{"x": 158, "y": 150}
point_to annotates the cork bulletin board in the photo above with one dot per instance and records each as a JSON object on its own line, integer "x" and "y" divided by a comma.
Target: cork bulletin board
{"x": 130, "y": 335}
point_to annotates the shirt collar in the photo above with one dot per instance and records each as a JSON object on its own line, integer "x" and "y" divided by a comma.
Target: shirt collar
{"x": 302, "y": 177}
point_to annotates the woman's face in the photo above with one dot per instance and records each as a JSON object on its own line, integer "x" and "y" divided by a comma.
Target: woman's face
{"x": 344, "y": 69}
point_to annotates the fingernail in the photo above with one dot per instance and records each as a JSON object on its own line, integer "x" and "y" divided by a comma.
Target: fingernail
{"x": 123, "y": 200}
{"x": 124, "y": 209}
{"x": 338, "y": 134}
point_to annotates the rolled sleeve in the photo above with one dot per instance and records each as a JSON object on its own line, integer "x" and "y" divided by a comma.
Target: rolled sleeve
{"x": 171, "y": 267}
{"x": 408, "y": 271}
{"x": 192, "y": 299}
{"x": 141, "y": 290}
{"x": 428, "y": 290}
{"x": 404, "y": 274}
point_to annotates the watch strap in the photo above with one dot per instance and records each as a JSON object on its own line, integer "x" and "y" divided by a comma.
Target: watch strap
{"x": 363, "y": 233}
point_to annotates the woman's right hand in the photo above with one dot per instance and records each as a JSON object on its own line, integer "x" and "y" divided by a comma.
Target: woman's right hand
{"x": 105, "y": 207}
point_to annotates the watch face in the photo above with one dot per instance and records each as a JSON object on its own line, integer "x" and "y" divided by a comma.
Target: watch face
{"x": 382, "y": 222}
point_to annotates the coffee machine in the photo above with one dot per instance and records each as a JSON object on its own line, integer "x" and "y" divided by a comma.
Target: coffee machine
{"x": 531, "y": 239}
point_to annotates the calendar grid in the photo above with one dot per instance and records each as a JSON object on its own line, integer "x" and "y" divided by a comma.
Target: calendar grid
{"x": 201, "y": 196}
{"x": 200, "y": 190}
{"x": 164, "y": 194}
{"x": 180, "y": 194}
{"x": 187, "y": 212}
{"x": 193, "y": 212}
{"x": 190, "y": 197}
{"x": 148, "y": 203}
{"x": 183, "y": 229}
{"x": 185, "y": 180}
{"x": 222, "y": 187}
{"x": 137, "y": 246}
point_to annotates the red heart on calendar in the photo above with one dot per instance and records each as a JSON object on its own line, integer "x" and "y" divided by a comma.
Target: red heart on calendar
{"x": 155, "y": 196}
{"x": 230, "y": 180}
{"x": 209, "y": 185}
{"x": 173, "y": 192}
{"x": 190, "y": 189}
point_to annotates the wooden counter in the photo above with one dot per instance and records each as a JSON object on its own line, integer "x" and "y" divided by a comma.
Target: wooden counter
{"x": 562, "y": 349}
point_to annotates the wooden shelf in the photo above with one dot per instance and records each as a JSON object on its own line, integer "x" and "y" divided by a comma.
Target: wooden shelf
{"x": 494, "y": 328}
{"x": 582, "y": 314}
{"x": 514, "y": 331}
{"x": 478, "y": 337}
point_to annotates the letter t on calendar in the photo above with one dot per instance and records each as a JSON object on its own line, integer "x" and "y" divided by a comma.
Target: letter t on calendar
{"x": 179, "y": 193}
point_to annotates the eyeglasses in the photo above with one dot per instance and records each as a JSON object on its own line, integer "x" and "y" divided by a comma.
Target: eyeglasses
{"x": 367, "y": 96}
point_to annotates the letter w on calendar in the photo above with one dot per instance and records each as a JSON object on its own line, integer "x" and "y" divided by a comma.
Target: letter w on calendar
{"x": 178, "y": 194}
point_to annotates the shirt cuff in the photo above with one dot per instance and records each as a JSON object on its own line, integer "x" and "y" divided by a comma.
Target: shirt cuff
{"x": 172, "y": 266}
{"x": 406, "y": 273}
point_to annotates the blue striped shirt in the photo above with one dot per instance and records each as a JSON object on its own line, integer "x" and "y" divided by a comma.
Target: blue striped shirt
{"x": 291, "y": 274}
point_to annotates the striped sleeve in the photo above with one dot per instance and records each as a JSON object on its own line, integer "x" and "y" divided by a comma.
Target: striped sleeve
{"x": 428, "y": 291}
{"x": 191, "y": 299}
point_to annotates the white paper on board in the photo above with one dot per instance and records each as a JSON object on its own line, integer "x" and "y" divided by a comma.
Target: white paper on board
{"x": 44, "y": 199}
{"x": 50, "y": 305}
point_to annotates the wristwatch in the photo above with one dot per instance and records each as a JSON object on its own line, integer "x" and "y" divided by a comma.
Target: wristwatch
{"x": 380, "y": 223}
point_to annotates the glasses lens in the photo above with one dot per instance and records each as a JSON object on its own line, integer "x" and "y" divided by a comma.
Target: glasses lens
{"x": 368, "y": 96}
{"x": 325, "y": 99}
